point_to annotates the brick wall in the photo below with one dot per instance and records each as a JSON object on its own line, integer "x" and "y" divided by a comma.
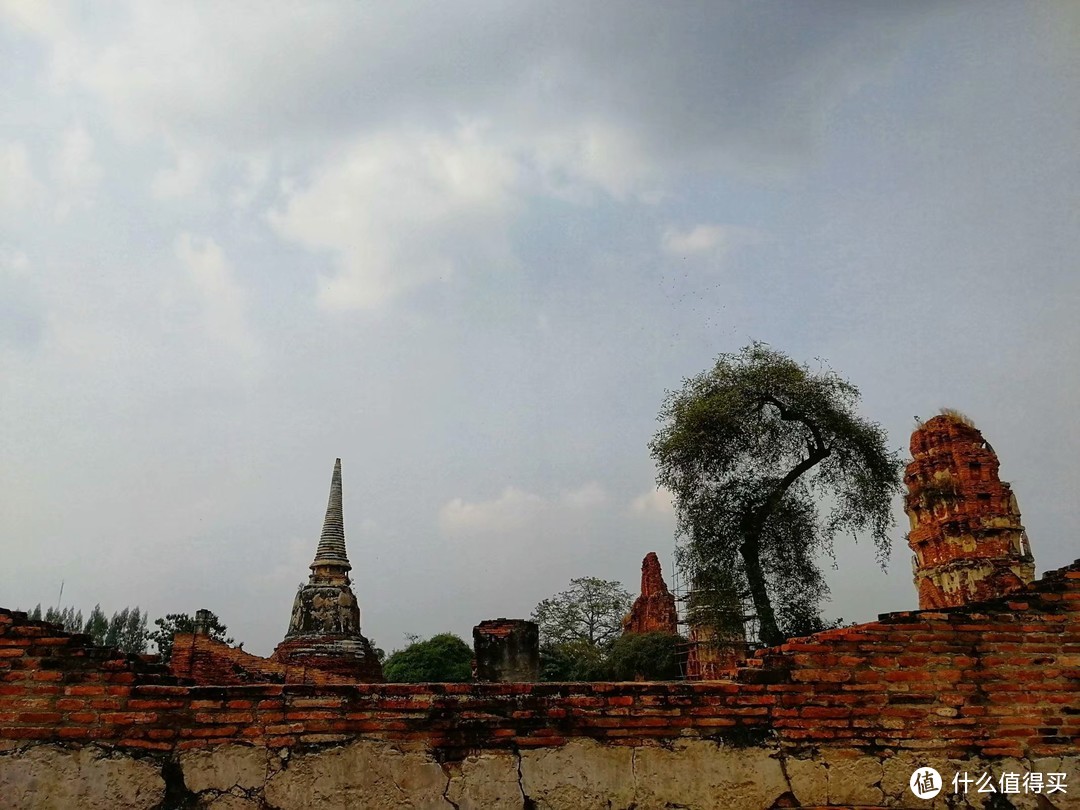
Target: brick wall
{"x": 203, "y": 660}
{"x": 995, "y": 679}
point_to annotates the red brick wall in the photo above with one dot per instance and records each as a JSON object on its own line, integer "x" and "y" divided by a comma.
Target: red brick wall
{"x": 999, "y": 678}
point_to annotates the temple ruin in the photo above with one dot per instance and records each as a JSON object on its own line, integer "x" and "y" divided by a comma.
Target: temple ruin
{"x": 654, "y": 609}
{"x": 323, "y": 643}
{"x": 983, "y": 679}
{"x": 966, "y": 533}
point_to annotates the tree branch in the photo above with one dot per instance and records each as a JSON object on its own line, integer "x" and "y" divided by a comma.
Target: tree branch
{"x": 816, "y": 452}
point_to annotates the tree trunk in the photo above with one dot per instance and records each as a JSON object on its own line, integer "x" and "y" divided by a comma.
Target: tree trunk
{"x": 768, "y": 631}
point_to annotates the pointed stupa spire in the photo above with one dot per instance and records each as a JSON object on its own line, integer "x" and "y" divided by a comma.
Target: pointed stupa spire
{"x": 331, "y": 551}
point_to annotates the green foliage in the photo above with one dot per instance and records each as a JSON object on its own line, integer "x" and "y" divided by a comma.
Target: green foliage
{"x": 442, "y": 658}
{"x": 68, "y": 618}
{"x": 589, "y": 613}
{"x": 126, "y": 630}
{"x": 97, "y": 625}
{"x": 647, "y": 656}
{"x": 574, "y": 661}
{"x": 174, "y": 623}
{"x": 581, "y": 637}
{"x": 747, "y": 448}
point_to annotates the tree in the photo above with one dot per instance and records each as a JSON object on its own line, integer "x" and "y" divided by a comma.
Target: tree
{"x": 574, "y": 661}
{"x": 126, "y": 630}
{"x": 746, "y": 448}
{"x": 651, "y": 656}
{"x": 578, "y": 626}
{"x": 442, "y": 658}
{"x": 590, "y": 612}
{"x": 68, "y": 618}
{"x": 97, "y": 625}
{"x": 174, "y": 623}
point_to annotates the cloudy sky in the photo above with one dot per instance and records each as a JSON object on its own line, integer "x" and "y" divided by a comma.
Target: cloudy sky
{"x": 467, "y": 246}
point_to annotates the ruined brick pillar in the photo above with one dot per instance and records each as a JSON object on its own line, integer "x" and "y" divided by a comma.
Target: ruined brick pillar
{"x": 654, "y": 609}
{"x": 507, "y": 650}
{"x": 966, "y": 533}
{"x": 324, "y": 630}
{"x": 202, "y": 622}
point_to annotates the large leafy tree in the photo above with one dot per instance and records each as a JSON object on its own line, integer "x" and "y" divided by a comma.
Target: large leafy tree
{"x": 749, "y": 449}
{"x": 589, "y": 612}
{"x": 578, "y": 627}
{"x": 441, "y": 658}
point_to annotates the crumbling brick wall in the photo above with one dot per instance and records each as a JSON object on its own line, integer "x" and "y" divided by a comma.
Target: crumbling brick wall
{"x": 202, "y": 659}
{"x": 992, "y": 681}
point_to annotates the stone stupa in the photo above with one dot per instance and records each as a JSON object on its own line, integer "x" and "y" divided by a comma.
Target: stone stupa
{"x": 324, "y": 630}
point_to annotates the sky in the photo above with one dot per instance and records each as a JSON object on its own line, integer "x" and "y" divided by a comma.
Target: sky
{"x": 467, "y": 246}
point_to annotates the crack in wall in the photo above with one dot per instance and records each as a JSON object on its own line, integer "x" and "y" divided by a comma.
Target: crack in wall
{"x": 781, "y": 757}
{"x": 526, "y": 802}
{"x": 446, "y": 790}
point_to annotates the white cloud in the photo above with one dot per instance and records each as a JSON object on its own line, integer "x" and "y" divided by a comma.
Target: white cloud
{"x": 256, "y": 172}
{"x": 18, "y": 185}
{"x": 705, "y": 239}
{"x": 575, "y": 161}
{"x": 516, "y": 509}
{"x": 512, "y": 510}
{"x": 224, "y": 303}
{"x": 656, "y": 503}
{"x": 14, "y": 263}
{"x": 76, "y": 172}
{"x": 587, "y": 496}
{"x": 399, "y": 210}
{"x": 182, "y": 180}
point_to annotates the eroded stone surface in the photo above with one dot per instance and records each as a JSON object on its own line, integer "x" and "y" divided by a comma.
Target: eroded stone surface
{"x": 486, "y": 782}
{"x": 581, "y": 774}
{"x": 690, "y": 775}
{"x": 229, "y": 802}
{"x": 46, "y": 777}
{"x": 363, "y": 774}
{"x": 808, "y": 780}
{"x": 853, "y": 778}
{"x": 223, "y": 768}
{"x": 703, "y": 774}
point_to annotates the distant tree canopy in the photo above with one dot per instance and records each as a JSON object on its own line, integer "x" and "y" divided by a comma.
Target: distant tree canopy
{"x": 444, "y": 658}
{"x": 646, "y": 656}
{"x": 126, "y": 630}
{"x": 748, "y": 448}
{"x": 578, "y": 628}
{"x": 174, "y": 623}
{"x": 589, "y": 613}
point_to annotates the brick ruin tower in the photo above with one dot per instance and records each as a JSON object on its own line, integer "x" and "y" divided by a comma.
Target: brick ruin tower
{"x": 654, "y": 610}
{"x": 966, "y": 533}
{"x": 324, "y": 631}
